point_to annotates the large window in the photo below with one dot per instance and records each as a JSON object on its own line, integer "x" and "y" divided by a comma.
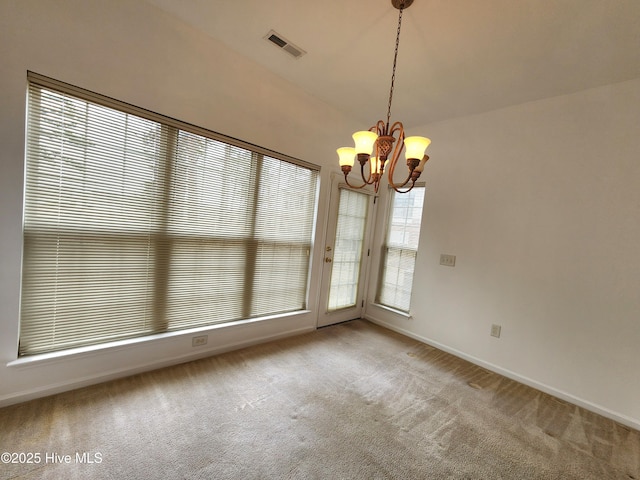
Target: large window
{"x": 135, "y": 224}
{"x": 399, "y": 251}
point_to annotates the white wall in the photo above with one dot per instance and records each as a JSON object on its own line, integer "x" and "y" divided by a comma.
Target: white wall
{"x": 137, "y": 53}
{"x": 541, "y": 205}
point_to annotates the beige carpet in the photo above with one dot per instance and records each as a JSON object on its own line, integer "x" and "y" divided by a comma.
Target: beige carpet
{"x": 352, "y": 401}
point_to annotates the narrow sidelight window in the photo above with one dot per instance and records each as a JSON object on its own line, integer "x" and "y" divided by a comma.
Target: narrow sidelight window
{"x": 400, "y": 248}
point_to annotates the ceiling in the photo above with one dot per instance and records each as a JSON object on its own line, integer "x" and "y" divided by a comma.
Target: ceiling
{"x": 456, "y": 57}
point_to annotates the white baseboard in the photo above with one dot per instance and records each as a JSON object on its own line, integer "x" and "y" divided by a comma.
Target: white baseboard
{"x": 592, "y": 407}
{"x": 54, "y": 388}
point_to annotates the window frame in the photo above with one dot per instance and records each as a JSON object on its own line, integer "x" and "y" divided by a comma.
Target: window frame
{"x": 173, "y": 128}
{"x": 388, "y": 213}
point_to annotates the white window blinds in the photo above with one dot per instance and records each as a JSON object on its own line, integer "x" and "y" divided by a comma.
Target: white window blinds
{"x": 399, "y": 251}
{"x": 347, "y": 255}
{"x": 135, "y": 224}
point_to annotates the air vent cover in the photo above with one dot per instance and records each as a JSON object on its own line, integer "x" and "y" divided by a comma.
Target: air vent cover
{"x": 284, "y": 44}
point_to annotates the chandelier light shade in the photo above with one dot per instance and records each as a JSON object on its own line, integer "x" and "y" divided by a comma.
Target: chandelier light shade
{"x": 346, "y": 156}
{"x": 364, "y": 141}
{"x": 376, "y": 145}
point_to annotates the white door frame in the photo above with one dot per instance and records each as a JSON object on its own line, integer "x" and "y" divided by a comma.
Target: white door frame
{"x": 326, "y": 317}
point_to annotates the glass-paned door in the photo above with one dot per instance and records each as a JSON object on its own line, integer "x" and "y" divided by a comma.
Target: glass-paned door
{"x": 346, "y": 254}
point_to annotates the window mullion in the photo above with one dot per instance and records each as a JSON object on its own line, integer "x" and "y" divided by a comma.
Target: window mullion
{"x": 251, "y": 240}
{"x": 161, "y": 239}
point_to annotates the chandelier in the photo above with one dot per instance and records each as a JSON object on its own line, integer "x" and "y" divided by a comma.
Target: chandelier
{"x": 380, "y": 140}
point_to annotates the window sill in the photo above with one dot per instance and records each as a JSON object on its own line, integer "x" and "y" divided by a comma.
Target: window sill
{"x": 127, "y": 344}
{"x": 406, "y": 315}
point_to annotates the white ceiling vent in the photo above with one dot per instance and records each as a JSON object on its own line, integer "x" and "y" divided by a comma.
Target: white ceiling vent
{"x": 284, "y": 44}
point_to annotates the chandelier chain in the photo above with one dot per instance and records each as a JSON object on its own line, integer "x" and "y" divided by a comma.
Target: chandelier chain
{"x": 395, "y": 59}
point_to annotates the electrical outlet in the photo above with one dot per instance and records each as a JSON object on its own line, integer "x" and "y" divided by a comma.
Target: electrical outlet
{"x": 495, "y": 331}
{"x": 199, "y": 341}
{"x": 447, "y": 260}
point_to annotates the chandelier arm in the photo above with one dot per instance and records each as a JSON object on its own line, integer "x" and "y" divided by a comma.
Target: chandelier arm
{"x": 392, "y": 167}
{"x": 368, "y": 180}
{"x": 346, "y": 180}
{"x": 397, "y": 127}
{"x": 413, "y": 184}
{"x": 377, "y": 176}
{"x": 396, "y": 186}
{"x": 397, "y": 151}
{"x": 392, "y": 164}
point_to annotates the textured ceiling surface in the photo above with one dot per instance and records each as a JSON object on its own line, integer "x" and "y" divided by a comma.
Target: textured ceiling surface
{"x": 456, "y": 57}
